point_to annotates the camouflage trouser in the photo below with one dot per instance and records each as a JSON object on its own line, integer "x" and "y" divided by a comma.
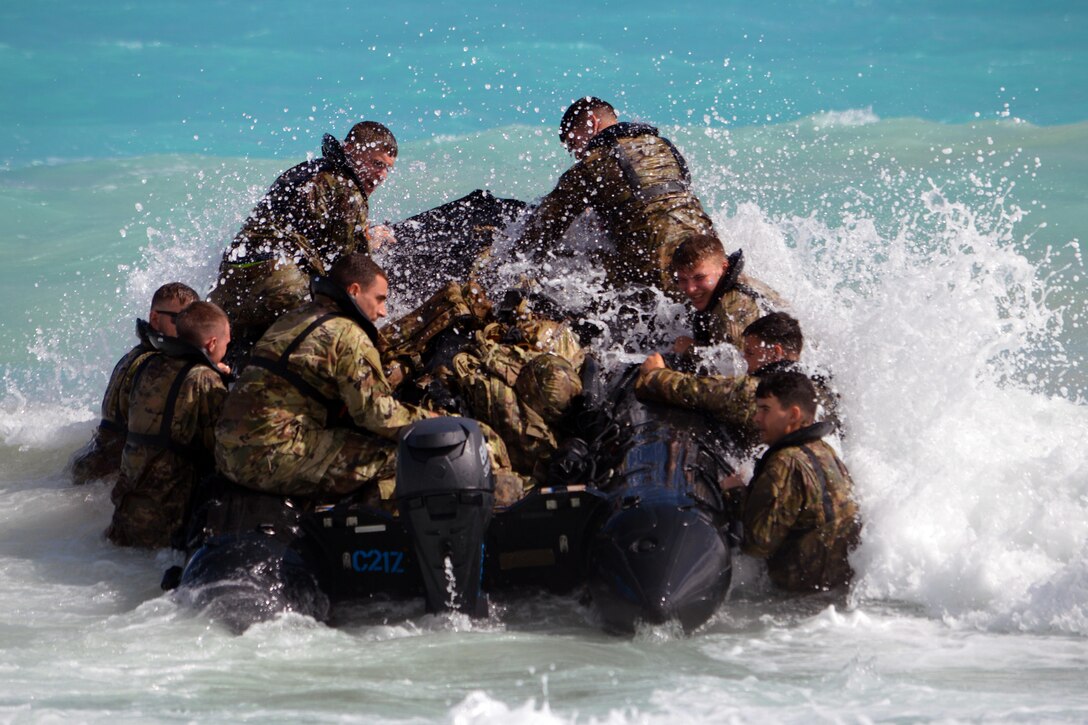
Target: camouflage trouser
{"x": 370, "y": 470}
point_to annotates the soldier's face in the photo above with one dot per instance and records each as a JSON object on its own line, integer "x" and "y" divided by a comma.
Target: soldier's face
{"x": 163, "y": 317}
{"x": 773, "y": 421}
{"x": 758, "y": 353}
{"x": 372, "y": 166}
{"x": 372, "y": 299}
{"x": 698, "y": 281}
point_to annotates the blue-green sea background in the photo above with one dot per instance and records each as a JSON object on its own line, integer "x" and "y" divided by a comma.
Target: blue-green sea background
{"x": 912, "y": 175}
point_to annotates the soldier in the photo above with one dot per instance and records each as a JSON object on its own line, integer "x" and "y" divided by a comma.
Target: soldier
{"x": 101, "y": 456}
{"x": 725, "y": 300}
{"x": 313, "y": 414}
{"x": 771, "y": 344}
{"x": 799, "y": 513}
{"x": 314, "y": 213}
{"x": 637, "y": 183}
{"x": 175, "y": 402}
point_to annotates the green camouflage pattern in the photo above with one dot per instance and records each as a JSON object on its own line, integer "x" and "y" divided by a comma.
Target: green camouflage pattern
{"x": 548, "y": 384}
{"x": 273, "y": 438}
{"x": 101, "y": 456}
{"x": 726, "y": 321}
{"x": 729, "y": 399}
{"x": 289, "y": 237}
{"x": 520, "y": 389}
{"x": 644, "y": 233}
{"x": 152, "y": 492}
{"x": 786, "y": 521}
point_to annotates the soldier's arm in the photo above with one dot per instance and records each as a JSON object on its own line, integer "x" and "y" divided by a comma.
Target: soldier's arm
{"x": 774, "y": 502}
{"x": 556, "y": 213}
{"x": 730, "y": 399}
{"x": 365, "y": 391}
{"x": 212, "y": 400}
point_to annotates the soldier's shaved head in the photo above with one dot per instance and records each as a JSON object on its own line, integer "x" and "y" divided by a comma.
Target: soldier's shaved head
{"x": 183, "y": 294}
{"x": 200, "y": 322}
{"x": 371, "y": 135}
{"x": 778, "y": 328}
{"x": 577, "y": 112}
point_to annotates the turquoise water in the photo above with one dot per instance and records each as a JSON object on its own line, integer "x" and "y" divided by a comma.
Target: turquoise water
{"x": 913, "y": 176}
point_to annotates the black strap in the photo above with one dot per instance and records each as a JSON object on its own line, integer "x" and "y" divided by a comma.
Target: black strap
{"x": 280, "y": 368}
{"x": 163, "y": 439}
{"x": 648, "y": 193}
{"x": 829, "y": 508}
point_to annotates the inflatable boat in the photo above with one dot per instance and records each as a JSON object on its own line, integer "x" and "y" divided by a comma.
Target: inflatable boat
{"x": 631, "y": 515}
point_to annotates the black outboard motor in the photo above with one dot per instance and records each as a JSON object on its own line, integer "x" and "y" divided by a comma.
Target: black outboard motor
{"x": 445, "y": 491}
{"x": 662, "y": 552}
{"x": 658, "y": 557}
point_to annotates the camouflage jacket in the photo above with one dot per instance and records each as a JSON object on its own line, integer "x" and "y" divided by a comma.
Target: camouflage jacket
{"x": 102, "y": 455}
{"x": 730, "y": 399}
{"x": 737, "y": 302}
{"x": 639, "y": 186}
{"x": 800, "y": 513}
{"x": 315, "y": 369}
{"x": 313, "y": 214}
{"x": 173, "y": 408}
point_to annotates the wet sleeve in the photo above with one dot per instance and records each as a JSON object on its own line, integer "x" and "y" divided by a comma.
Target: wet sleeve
{"x": 774, "y": 502}
{"x": 365, "y": 391}
{"x": 556, "y": 212}
{"x": 214, "y": 397}
{"x": 729, "y": 399}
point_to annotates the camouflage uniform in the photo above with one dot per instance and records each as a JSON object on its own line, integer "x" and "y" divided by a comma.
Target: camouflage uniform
{"x": 521, "y": 389}
{"x": 173, "y": 408}
{"x": 313, "y": 214}
{"x": 639, "y": 186}
{"x": 730, "y": 399}
{"x": 800, "y": 514}
{"x": 314, "y": 415}
{"x": 101, "y": 456}
{"x": 737, "y": 302}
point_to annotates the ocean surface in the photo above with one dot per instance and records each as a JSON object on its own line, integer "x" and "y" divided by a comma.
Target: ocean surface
{"x": 912, "y": 176}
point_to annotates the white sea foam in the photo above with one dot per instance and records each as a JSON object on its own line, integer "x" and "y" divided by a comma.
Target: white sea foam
{"x": 849, "y": 117}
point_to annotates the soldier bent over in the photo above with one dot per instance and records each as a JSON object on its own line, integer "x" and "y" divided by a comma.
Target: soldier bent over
{"x": 313, "y": 414}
